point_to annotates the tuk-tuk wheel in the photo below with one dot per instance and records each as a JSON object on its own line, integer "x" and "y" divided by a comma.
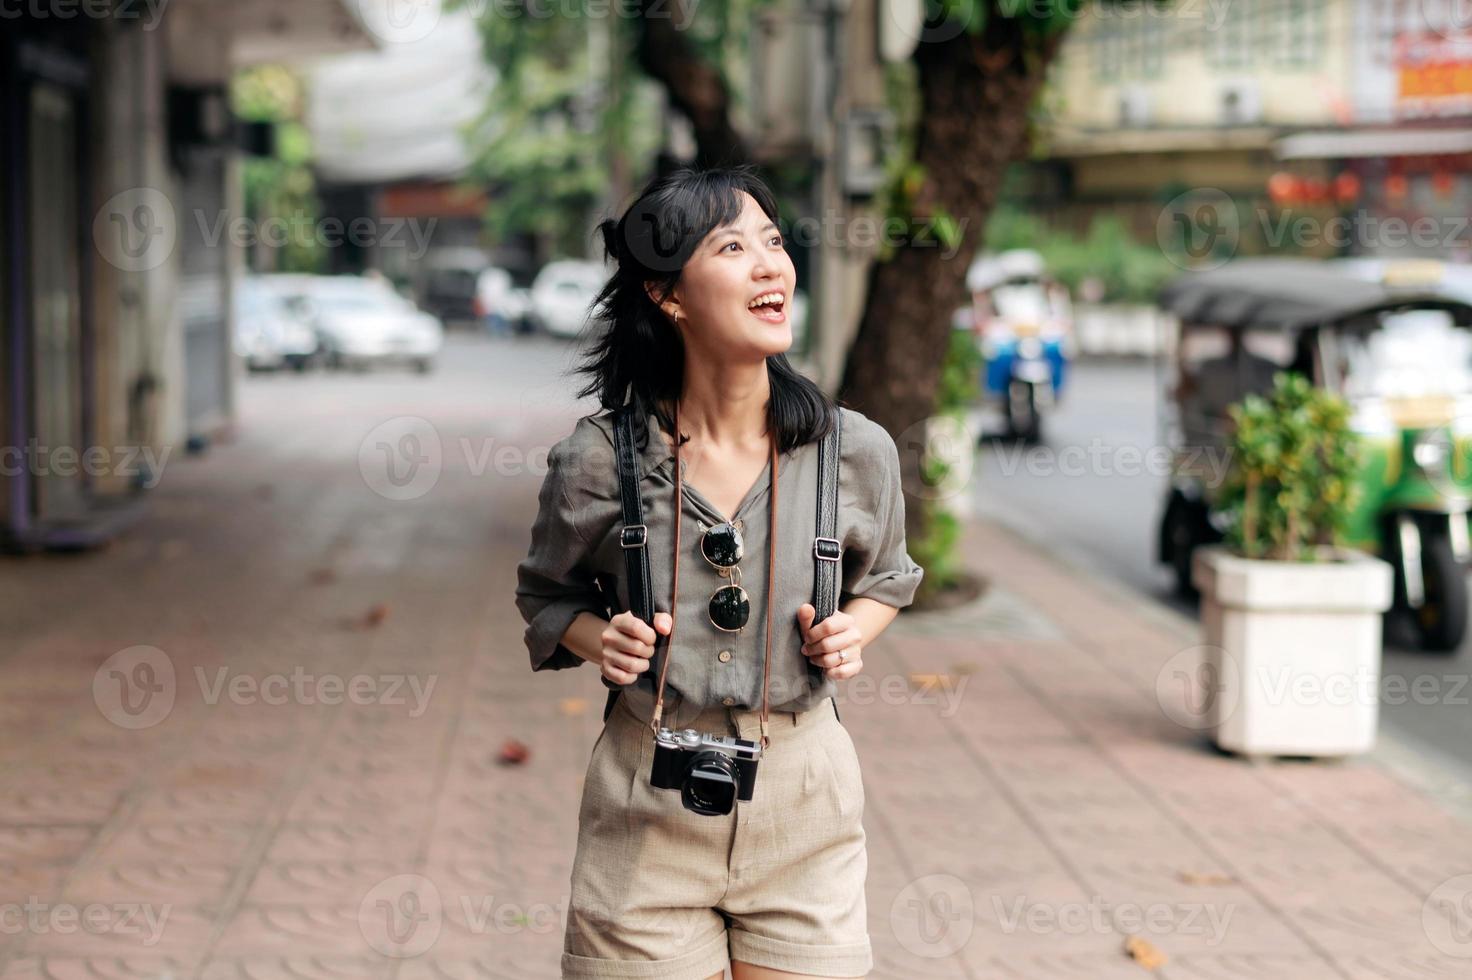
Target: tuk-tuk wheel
{"x": 1183, "y": 528}
{"x": 1442, "y": 620}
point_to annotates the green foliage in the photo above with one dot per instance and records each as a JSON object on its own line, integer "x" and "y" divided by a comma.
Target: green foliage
{"x": 935, "y": 548}
{"x": 281, "y": 186}
{"x": 1290, "y": 487}
{"x": 1129, "y": 272}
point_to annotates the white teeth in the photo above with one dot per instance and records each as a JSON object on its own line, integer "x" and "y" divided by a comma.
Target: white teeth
{"x": 764, "y": 299}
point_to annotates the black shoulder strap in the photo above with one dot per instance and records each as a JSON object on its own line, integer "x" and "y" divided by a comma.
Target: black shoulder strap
{"x": 827, "y": 549}
{"x": 634, "y": 534}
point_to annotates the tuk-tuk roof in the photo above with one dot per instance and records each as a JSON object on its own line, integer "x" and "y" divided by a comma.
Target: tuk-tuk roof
{"x": 1293, "y": 293}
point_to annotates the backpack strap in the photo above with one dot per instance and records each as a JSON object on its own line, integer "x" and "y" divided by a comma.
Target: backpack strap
{"x": 634, "y": 534}
{"x": 827, "y": 549}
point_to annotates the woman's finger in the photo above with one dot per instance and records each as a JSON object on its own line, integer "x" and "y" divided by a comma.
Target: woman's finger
{"x": 832, "y": 644}
{"x": 845, "y": 670}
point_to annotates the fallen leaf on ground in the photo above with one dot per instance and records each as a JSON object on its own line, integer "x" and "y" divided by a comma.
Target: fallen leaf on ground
{"x": 1205, "y": 878}
{"x": 514, "y": 753}
{"x": 376, "y": 614}
{"x": 573, "y": 706}
{"x": 1144, "y": 952}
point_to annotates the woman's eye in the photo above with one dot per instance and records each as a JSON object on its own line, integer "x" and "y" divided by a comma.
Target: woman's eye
{"x": 777, "y": 239}
{"x": 729, "y": 244}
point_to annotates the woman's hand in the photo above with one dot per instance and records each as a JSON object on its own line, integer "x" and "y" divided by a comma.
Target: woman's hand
{"x": 628, "y": 645}
{"x": 836, "y": 644}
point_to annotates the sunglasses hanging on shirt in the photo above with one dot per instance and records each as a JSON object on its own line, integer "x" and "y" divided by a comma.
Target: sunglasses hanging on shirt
{"x": 723, "y": 547}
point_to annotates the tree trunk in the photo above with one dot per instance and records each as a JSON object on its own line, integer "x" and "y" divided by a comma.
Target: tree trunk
{"x": 976, "y": 92}
{"x": 695, "y": 87}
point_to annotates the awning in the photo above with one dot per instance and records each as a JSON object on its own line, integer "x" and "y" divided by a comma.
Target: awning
{"x": 1352, "y": 143}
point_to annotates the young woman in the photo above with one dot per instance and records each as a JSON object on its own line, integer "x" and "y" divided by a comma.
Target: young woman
{"x": 697, "y": 327}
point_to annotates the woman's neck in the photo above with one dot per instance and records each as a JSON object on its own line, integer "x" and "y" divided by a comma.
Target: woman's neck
{"x": 725, "y": 406}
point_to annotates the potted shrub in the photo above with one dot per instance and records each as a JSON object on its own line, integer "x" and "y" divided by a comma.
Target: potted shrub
{"x": 1292, "y": 619}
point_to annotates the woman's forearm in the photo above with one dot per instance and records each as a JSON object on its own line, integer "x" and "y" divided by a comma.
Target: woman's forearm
{"x": 871, "y": 616}
{"x": 584, "y": 636}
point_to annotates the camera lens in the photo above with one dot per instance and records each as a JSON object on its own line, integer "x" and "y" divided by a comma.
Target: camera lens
{"x": 710, "y": 784}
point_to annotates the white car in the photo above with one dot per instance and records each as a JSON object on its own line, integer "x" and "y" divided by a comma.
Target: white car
{"x": 562, "y": 295}
{"x": 360, "y": 322}
{"x": 269, "y": 333}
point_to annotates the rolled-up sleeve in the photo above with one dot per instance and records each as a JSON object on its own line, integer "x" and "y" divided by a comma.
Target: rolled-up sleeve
{"x": 877, "y": 565}
{"x": 555, "y": 581}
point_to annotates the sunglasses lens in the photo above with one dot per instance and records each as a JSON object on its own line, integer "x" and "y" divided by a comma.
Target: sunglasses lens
{"x": 721, "y": 545}
{"x": 729, "y": 608}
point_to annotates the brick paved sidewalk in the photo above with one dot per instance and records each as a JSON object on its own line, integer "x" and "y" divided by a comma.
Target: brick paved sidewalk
{"x": 259, "y": 738}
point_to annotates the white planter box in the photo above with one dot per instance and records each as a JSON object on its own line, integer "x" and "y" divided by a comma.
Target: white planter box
{"x": 1293, "y": 651}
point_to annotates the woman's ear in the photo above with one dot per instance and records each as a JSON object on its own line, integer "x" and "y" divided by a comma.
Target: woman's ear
{"x": 670, "y": 306}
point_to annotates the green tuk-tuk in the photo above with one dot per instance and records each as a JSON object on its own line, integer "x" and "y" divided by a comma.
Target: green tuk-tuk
{"x": 1391, "y": 338}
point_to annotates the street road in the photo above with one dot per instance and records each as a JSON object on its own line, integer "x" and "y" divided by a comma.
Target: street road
{"x": 1093, "y": 494}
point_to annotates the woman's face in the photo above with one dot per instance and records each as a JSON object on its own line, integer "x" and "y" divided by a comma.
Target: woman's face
{"x": 735, "y": 292}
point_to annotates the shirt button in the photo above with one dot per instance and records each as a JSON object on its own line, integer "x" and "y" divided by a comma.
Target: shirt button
{"x": 724, "y": 656}
{"x": 728, "y": 701}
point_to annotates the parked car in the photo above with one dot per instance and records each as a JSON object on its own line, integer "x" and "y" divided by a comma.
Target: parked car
{"x": 269, "y": 333}
{"x": 360, "y": 322}
{"x": 562, "y": 295}
{"x": 449, "y": 280}
{"x": 499, "y": 304}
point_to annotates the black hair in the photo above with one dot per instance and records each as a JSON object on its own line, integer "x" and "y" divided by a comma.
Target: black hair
{"x": 639, "y": 357}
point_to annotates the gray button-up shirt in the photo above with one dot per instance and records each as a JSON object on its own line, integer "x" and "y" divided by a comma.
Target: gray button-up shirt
{"x": 575, "y": 551}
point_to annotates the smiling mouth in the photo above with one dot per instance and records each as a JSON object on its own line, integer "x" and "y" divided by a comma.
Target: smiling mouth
{"x": 771, "y": 309}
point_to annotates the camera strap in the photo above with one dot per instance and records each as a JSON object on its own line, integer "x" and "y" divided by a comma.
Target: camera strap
{"x": 634, "y": 538}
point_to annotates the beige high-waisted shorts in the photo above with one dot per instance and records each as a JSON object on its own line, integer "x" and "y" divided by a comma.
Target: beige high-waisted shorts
{"x": 663, "y": 893}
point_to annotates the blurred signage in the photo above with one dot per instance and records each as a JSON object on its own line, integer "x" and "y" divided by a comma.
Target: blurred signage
{"x": 1434, "y": 74}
